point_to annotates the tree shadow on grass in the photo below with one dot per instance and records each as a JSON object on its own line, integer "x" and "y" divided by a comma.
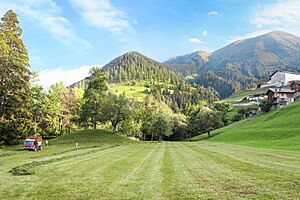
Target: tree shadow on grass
{"x": 205, "y": 138}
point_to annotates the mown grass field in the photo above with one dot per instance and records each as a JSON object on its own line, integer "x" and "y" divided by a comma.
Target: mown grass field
{"x": 109, "y": 166}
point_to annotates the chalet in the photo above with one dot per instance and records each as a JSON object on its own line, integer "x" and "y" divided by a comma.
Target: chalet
{"x": 295, "y": 85}
{"x": 281, "y": 96}
{"x": 279, "y": 79}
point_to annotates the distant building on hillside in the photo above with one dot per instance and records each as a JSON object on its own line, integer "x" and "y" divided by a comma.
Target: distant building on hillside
{"x": 279, "y": 79}
{"x": 281, "y": 96}
{"x": 258, "y": 96}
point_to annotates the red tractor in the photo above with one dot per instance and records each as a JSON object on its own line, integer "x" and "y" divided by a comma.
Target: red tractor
{"x": 33, "y": 143}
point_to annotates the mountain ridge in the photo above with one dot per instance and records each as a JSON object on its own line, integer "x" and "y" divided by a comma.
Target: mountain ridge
{"x": 243, "y": 63}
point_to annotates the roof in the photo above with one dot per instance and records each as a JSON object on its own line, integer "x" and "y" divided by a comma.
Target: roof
{"x": 295, "y": 73}
{"x": 286, "y": 72}
{"x": 273, "y": 73}
{"x": 281, "y": 90}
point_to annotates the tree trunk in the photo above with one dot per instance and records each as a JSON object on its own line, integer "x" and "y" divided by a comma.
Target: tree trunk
{"x": 114, "y": 124}
{"x": 208, "y": 133}
{"x": 160, "y": 138}
{"x": 95, "y": 124}
{"x": 151, "y": 136}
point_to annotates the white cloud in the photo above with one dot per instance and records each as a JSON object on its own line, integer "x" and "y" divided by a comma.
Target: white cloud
{"x": 195, "y": 41}
{"x": 280, "y": 13}
{"x": 103, "y": 14}
{"x": 283, "y": 15}
{"x": 68, "y": 76}
{"x": 213, "y": 13}
{"x": 205, "y": 33}
{"x": 48, "y": 15}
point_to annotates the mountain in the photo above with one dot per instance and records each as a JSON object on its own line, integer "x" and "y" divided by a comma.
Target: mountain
{"x": 276, "y": 48}
{"x": 242, "y": 64}
{"x": 134, "y": 66}
{"x": 133, "y": 71}
{"x": 188, "y": 64}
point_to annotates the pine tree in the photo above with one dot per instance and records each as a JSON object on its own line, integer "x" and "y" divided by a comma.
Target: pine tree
{"x": 14, "y": 80}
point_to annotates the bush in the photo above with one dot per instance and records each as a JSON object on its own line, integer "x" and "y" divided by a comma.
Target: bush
{"x": 242, "y": 111}
{"x": 265, "y": 105}
{"x": 237, "y": 117}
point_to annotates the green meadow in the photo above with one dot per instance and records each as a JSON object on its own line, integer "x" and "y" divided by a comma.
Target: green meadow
{"x": 136, "y": 91}
{"x": 278, "y": 129}
{"x": 110, "y": 166}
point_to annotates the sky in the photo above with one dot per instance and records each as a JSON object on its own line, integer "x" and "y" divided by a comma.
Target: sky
{"x": 64, "y": 38}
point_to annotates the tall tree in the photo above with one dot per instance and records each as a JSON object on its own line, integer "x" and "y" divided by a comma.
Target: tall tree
{"x": 204, "y": 120}
{"x": 37, "y": 108}
{"x": 53, "y": 113}
{"x": 78, "y": 94}
{"x": 179, "y": 127}
{"x": 161, "y": 126}
{"x": 116, "y": 110}
{"x": 68, "y": 112}
{"x": 94, "y": 97}
{"x": 14, "y": 80}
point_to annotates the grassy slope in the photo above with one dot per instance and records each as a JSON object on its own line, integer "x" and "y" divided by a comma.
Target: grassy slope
{"x": 279, "y": 129}
{"x": 151, "y": 170}
{"x": 136, "y": 91}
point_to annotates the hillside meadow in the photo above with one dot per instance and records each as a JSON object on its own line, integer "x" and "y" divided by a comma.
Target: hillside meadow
{"x": 278, "y": 129}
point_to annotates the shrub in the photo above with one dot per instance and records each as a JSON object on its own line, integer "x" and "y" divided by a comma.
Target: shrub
{"x": 265, "y": 105}
{"x": 237, "y": 117}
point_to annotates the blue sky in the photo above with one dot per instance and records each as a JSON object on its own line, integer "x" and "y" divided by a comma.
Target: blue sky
{"x": 63, "y": 36}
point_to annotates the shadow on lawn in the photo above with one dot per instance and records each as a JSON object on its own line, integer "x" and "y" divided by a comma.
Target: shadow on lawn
{"x": 207, "y": 137}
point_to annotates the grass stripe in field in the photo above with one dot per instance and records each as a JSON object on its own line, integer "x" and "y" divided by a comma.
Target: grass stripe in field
{"x": 145, "y": 177}
{"x": 178, "y": 182}
{"x": 234, "y": 177}
{"x": 276, "y": 159}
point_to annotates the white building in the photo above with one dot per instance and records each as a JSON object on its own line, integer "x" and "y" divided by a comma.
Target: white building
{"x": 281, "y": 79}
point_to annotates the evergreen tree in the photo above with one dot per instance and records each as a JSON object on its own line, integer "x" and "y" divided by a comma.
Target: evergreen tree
{"x": 14, "y": 80}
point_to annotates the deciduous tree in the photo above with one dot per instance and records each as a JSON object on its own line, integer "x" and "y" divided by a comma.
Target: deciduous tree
{"x": 94, "y": 97}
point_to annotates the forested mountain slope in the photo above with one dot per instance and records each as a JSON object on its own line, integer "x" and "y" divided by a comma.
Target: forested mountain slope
{"x": 189, "y": 64}
{"x": 133, "y": 66}
{"x": 242, "y": 64}
{"x": 134, "y": 69}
